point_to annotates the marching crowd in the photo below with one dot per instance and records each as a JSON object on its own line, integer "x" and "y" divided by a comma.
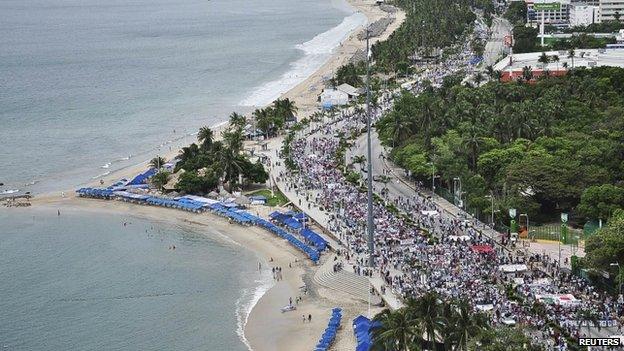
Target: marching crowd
{"x": 425, "y": 249}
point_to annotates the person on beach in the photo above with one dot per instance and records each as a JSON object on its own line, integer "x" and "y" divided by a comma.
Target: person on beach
{"x": 259, "y": 266}
{"x": 303, "y": 318}
{"x": 309, "y": 318}
{"x": 58, "y": 212}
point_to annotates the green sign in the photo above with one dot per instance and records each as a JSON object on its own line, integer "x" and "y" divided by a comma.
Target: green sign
{"x": 547, "y": 6}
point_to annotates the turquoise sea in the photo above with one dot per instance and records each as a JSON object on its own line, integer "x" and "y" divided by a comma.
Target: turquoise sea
{"x": 89, "y": 87}
{"x": 84, "y": 282}
{"x": 92, "y": 86}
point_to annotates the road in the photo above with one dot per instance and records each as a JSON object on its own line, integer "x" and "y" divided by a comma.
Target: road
{"x": 495, "y": 45}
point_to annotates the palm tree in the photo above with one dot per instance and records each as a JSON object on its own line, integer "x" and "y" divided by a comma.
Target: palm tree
{"x": 264, "y": 120}
{"x": 571, "y": 54}
{"x": 285, "y": 108}
{"x": 160, "y": 179}
{"x": 589, "y": 316}
{"x": 426, "y": 314}
{"x": 396, "y": 332}
{"x": 238, "y": 120}
{"x": 157, "y": 162}
{"x": 359, "y": 159}
{"x": 232, "y": 165}
{"x": 466, "y": 324}
{"x": 233, "y": 140}
{"x": 478, "y": 78}
{"x": 473, "y": 142}
{"x": 498, "y": 75}
{"x": 543, "y": 59}
{"x": 205, "y": 137}
{"x": 400, "y": 127}
{"x": 555, "y": 59}
{"x": 188, "y": 152}
{"x": 527, "y": 73}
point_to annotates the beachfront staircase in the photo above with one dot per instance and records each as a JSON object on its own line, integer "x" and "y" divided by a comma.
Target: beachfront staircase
{"x": 356, "y": 286}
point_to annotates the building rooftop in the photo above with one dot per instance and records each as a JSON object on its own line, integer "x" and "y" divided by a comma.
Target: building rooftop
{"x": 582, "y": 58}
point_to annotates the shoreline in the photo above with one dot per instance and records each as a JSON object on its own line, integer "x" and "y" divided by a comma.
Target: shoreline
{"x": 264, "y": 327}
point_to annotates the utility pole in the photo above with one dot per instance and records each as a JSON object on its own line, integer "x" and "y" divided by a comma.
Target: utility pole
{"x": 370, "y": 223}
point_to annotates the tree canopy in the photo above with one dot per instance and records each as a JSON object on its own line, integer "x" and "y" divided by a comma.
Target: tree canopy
{"x": 539, "y": 147}
{"x": 214, "y": 161}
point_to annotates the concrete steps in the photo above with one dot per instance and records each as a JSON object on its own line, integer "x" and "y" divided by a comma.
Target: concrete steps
{"x": 347, "y": 282}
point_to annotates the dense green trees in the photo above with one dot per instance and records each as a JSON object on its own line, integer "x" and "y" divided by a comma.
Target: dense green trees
{"x": 273, "y": 118}
{"x": 516, "y": 13}
{"x": 350, "y": 74}
{"x": 538, "y": 146}
{"x": 601, "y": 201}
{"x": 603, "y": 27}
{"x": 426, "y": 320}
{"x": 525, "y": 39}
{"x": 217, "y": 161}
{"x": 429, "y": 24}
{"x": 582, "y": 41}
{"x": 605, "y": 249}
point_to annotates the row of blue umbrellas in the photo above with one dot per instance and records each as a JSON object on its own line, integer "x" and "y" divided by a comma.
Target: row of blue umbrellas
{"x": 188, "y": 205}
{"x": 315, "y": 238}
{"x": 106, "y": 193}
{"x": 295, "y": 221}
{"x": 95, "y": 193}
{"x": 329, "y": 335}
{"x": 143, "y": 177}
{"x": 240, "y": 217}
{"x": 312, "y": 253}
{"x": 362, "y": 328}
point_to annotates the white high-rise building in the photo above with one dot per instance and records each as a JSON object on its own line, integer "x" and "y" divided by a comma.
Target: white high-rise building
{"x": 583, "y": 15}
{"x": 610, "y": 9}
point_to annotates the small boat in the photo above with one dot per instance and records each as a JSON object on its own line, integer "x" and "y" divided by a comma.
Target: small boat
{"x": 288, "y": 308}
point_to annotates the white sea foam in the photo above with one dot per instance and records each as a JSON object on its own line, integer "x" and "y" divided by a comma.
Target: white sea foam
{"x": 316, "y": 53}
{"x": 246, "y": 303}
{"x": 101, "y": 175}
{"x": 11, "y": 191}
{"x": 107, "y": 165}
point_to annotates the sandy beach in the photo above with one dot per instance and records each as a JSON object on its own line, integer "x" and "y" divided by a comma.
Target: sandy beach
{"x": 267, "y": 328}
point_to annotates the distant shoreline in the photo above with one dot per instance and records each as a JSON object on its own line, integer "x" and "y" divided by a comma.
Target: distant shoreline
{"x": 265, "y": 328}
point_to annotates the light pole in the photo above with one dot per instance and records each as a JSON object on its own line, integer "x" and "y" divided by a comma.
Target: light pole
{"x": 370, "y": 159}
{"x": 457, "y": 191}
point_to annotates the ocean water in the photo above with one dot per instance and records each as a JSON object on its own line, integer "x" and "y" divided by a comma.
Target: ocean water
{"x": 88, "y": 87}
{"x": 121, "y": 288}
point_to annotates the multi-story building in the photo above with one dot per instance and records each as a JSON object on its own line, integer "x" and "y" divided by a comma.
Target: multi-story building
{"x": 583, "y": 14}
{"x": 559, "y": 16}
{"x": 611, "y": 10}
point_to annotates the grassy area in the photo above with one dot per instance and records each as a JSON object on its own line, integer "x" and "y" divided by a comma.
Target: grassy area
{"x": 272, "y": 200}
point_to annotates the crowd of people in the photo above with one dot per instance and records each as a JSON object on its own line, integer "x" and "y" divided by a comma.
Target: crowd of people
{"x": 425, "y": 249}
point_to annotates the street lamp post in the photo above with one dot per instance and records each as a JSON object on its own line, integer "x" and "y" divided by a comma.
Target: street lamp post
{"x": 369, "y": 152}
